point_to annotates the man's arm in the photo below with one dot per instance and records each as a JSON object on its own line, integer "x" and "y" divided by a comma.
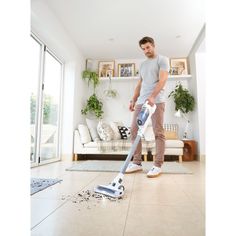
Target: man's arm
{"x": 163, "y": 76}
{"x": 136, "y": 94}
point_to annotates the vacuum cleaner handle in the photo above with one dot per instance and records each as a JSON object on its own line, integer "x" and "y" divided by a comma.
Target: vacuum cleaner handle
{"x": 131, "y": 153}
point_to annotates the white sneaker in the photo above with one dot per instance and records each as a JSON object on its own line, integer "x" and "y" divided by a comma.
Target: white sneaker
{"x": 133, "y": 168}
{"x": 154, "y": 172}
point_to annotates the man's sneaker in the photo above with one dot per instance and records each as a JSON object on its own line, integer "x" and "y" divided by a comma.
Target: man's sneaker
{"x": 154, "y": 172}
{"x": 133, "y": 168}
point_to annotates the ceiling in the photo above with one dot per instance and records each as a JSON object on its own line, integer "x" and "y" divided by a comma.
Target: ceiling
{"x": 107, "y": 29}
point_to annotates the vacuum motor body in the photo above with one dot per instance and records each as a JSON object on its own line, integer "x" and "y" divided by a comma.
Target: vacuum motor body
{"x": 143, "y": 115}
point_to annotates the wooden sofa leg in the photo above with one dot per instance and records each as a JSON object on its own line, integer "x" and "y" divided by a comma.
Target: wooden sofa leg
{"x": 180, "y": 158}
{"x": 145, "y": 157}
{"x": 74, "y": 157}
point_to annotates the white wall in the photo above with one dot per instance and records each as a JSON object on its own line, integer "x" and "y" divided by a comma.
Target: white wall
{"x": 49, "y": 29}
{"x": 197, "y": 87}
{"x": 201, "y": 86}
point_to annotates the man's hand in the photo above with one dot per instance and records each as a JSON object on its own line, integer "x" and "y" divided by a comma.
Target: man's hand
{"x": 151, "y": 100}
{"x": 131, "y": 105}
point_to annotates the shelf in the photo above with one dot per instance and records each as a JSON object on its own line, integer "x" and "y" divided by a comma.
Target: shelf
{"x": 179, "y": 76}
{"x": 136, "y": 77}
{"x": 118, "y": 78}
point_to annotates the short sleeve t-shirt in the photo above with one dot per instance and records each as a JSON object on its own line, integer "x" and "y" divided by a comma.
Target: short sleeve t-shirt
{"x": 149, "y": 73}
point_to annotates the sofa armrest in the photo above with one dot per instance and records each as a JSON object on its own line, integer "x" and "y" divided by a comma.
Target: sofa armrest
{"x": 78, "y": 146}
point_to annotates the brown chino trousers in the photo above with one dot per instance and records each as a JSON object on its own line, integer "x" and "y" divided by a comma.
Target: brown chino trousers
{"x": 157, "y": 124}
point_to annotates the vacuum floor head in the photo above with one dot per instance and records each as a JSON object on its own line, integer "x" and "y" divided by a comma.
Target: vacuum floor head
{"x": 109, "y": 190}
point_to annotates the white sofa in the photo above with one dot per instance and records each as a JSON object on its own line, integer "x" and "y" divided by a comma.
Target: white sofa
{"x": 173, "y": 145}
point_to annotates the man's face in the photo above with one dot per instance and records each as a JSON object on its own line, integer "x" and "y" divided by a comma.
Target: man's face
{"x": 148, "y": 49}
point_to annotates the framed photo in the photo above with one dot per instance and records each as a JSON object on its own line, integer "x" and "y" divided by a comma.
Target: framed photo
{"x": 109, "y": 73}
{"x": 89, "y": 64}
{"x": 126, "y": 70}
{"x": 174, "y": 71}
{"x": 178, "y": 66}
{"x": 105, "y": 66}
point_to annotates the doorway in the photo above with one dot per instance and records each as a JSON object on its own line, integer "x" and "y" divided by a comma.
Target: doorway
{"x": 45, "y": 104}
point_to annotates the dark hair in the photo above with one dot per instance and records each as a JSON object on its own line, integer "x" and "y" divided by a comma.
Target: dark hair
{"x": 146, "y": 40}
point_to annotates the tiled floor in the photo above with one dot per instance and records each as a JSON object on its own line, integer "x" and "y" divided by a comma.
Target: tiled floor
{"x": 170, "y": 205}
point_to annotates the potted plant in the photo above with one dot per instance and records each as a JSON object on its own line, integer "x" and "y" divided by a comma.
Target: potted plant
{"x": 110, "y": 93}
{"x": 92, "y": 77}
{"x": 94, "y": 105}
{"x": 184, "y": 101}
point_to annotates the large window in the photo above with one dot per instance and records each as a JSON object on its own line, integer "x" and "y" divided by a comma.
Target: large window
{"x": 45, "y": 105}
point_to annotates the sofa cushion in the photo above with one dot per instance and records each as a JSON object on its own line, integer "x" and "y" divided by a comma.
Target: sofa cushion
{"x": 91, "y": 145}
{"x": 116, "y": 132}
{"x": 105, "y": 131}
{"x": 84, "y": 134}
{"x": 124, "y": 132}
{"x": 92, "y": 126}
{"x": 171, "y": 134}
{"x": 174, "y": 143}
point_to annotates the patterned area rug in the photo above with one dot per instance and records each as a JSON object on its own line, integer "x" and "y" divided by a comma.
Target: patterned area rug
{"x": 115, "y": 166}
{"x": 39, "y": 184}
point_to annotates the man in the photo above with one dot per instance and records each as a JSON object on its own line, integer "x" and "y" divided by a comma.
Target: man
{"x": 150, "y": 87}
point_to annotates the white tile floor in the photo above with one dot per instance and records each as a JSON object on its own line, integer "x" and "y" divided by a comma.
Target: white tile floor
{"x": 172, "y": 204}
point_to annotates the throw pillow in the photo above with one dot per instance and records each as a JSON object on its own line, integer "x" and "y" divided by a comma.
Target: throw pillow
{"x": 105, "y": 131}
{"x": 171, "y": 134}
{"x": 116, "y": 132}
{"x": 92, "y": 126}
{"x": 84, "y": 134}
{"x": 124, "y": 132}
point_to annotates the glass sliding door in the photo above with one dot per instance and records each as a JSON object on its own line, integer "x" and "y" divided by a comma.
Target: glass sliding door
{"x": 35, "y": 49}
{"x": 50, "y": 109}
{"x": 45, "y": 104}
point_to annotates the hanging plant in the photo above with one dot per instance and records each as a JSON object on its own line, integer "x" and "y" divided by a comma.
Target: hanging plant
{"x": 184, "y": 101}
{"x": 94, "y": 105}
{"x": 110, "y": 93}
{"x": 92, "y": 77}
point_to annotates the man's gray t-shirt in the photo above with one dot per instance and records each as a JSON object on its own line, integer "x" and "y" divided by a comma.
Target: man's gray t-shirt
{"x": 149, "y": 73}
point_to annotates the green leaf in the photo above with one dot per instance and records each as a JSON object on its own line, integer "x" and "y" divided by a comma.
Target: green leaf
{"x": 184, "y": 101}
{"x": 94, "y": 105}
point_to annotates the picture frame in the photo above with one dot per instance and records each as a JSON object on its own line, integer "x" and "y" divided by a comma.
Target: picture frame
{"x": 104, "y": 66}
{"x": 89, "y": 64}
{"x": 178, "y": 66}
{"x": 126, "y": 70}
{"x": 109, "y": 73}
{"x": 174, "y": 71}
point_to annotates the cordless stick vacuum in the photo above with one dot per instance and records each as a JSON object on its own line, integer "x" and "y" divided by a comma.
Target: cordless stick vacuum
{"x": 115, "y": 189}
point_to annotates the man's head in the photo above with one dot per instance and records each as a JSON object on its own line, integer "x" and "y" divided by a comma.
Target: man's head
{"x": 148, "y": 46}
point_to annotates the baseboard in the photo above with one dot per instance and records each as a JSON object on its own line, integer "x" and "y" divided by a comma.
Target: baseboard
{"x": 66, "y": 157}
{"x": 202, "y": 158}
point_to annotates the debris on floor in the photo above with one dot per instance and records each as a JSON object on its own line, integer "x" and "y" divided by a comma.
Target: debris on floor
{"x": 90, "y": 198}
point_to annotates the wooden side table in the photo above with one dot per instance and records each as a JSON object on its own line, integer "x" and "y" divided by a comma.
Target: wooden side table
{"x": 189, "y": 150}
